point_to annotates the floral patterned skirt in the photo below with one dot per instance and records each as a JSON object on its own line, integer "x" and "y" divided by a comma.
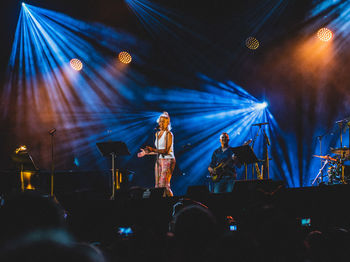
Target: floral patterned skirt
{"x": 163, "y": 171}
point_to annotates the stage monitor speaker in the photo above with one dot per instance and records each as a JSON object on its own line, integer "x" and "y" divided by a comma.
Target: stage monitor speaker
{"x": 141, "y": 193}
{"x": 263, "y": 186}
{"x": 153, "y": 193}
{"x": 196, "y": 192}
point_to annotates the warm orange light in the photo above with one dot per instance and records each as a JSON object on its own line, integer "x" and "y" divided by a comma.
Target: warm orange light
{"x": 324, "y": 34}
{"x": 26, "y": 177}
{"x": 20, "y": 149}
{"x": 252, "y": 43}
{"x": 124, "y": 57}
{"x": 313, "y": 56}
{"x": 76, "y": 64}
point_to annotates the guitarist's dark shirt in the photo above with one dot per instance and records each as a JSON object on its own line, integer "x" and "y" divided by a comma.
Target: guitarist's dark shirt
{"x": 219, "y": 157}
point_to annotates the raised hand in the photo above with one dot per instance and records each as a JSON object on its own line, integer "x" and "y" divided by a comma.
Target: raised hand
{"x": 142, "y": 153}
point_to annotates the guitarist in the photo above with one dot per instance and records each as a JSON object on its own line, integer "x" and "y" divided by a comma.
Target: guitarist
{"x": 222, "y": 167}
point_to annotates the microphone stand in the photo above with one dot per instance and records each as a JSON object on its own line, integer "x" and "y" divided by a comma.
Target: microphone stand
{"x": 52, "y": 133}
{"x": 157, "y": 157}
{"x": 267, "y": 160}
{"x": 341, "y": 134}
{"x": 349, "y": 132}
{"x": 320, "y": 137}
{"x": 256, "y": 165}
{"x": 320, "y": 172}
{"x": 320, "y": 140}
{"x": 340, "y": 123}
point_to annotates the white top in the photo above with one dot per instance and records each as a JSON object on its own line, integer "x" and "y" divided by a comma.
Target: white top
{"x": 161, "y": 144}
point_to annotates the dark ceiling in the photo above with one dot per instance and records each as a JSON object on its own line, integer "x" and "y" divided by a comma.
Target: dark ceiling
{"x": 224, "y": 23}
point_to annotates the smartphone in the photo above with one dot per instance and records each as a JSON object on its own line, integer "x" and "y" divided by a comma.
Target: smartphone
{"x": 125, "y": 231}
{"x": 305, "y": 222}
{"x": 233, "y": 227}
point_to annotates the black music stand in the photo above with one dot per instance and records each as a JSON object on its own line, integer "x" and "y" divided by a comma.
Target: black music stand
{"x": 113, "y": 149}
{"x": 25, "y": 162}
{"x": 245, "y": 155}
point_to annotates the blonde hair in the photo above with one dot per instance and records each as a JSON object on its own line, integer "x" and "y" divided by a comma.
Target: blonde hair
{"x": 166, "y": 115}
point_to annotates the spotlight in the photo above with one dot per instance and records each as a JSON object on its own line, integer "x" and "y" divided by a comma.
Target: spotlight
{"x": 23, "y": 4}
{"x": 262, "y": 105}
{"x": 252, "y": 43}
{"x": 76, "y": 64}
{"x": 124, "y": 57}
{"x": 21, "y": 149}
{"x": 324, "y": 34}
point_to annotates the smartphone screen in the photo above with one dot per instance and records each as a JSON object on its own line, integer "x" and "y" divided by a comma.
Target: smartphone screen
{"x": 125, "y": 231}
{"x": 233, "y": 227}
{"x": 306, "y": 222}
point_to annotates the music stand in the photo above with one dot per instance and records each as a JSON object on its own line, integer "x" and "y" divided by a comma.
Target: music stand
{"x": 26, "y": 163}
{"x": 245, "y": 155}
{"x": 113, "y": 149}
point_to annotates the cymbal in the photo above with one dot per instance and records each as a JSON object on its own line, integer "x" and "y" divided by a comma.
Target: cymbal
{"x": 342, "y": 151}
{"x": 326, "y": 157}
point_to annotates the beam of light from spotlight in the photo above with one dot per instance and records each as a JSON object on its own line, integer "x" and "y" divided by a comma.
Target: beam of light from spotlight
{"x": 155, "y": 18}
{"x": 179, "y": 32}
{"x": 43, "y": 90}
{"x": 336, "y": 14}
{"x": 41, "y": 51}
{"x": 263, "y": 15}
{"x": 261, "y": 105}
{"x": 199, "y": 117}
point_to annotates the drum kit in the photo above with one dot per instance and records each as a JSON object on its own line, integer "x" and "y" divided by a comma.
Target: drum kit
{"x": 337, "y": 171}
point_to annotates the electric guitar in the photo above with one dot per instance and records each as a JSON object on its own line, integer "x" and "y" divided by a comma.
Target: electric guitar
{"x": 221, "y": 169}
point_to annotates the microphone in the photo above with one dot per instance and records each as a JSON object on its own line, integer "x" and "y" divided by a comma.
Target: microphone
{"x": 260, "y": 124}
{"x": 52, "y": 131}
{"x": 156, "y": 128}
{"x": 345, "y": 120}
